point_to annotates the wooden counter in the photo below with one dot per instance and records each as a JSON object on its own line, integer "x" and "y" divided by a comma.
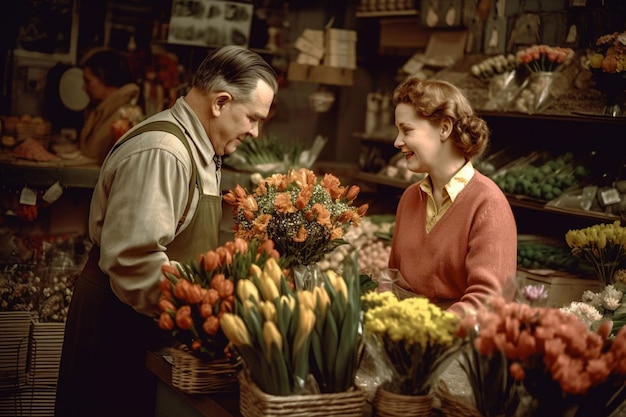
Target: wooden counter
{"x": 171, "y": 402}
{"x": 44, "y": 174}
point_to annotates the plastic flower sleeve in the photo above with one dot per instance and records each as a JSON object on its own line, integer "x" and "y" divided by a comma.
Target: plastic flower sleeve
{"x": 391, "y": 280}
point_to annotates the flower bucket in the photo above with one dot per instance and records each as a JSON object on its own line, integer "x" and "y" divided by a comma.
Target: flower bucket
{"x": 452, "y": 406}
{"x": 196, "y": 376}
{"x": 255, "y": 403}
{"x": 389, "y": 404}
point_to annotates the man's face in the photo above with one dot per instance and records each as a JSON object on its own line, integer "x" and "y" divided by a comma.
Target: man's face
{"x": 238, "y": 120}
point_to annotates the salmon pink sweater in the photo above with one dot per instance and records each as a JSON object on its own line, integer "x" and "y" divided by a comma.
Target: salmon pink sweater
{"x": 469, "y": 255}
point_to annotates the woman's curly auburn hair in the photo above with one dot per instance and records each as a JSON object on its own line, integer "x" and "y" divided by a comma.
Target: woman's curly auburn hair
{"x": 436, "y": 100}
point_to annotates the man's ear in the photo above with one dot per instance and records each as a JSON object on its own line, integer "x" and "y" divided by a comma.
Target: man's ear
{"x": 219, "y": 101}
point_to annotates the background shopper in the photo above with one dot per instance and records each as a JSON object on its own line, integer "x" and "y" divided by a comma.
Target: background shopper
{"x": 112, "y": 91}
{"x": 139, "y": 220}
{"x": 455, "y": 237}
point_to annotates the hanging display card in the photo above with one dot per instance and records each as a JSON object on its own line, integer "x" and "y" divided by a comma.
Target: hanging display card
{"x": 210, "y": 23}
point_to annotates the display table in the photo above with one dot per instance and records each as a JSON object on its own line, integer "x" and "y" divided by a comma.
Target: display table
{"x": 172, "y": 402}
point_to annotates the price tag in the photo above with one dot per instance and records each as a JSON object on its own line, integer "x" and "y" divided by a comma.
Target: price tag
{"x": 28, "y": 197}
{"x": 53, "y": 193}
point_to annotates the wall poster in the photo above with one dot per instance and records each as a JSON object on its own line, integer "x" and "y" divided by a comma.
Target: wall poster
{"x": 210, "y": 22}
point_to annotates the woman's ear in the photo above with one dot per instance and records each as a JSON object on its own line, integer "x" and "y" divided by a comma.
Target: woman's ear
{"x": 219, "y": 101}
{"x": 445, "y": 128}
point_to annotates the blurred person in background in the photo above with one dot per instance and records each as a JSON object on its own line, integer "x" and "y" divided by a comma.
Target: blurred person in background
{"x": 113, "y": 94}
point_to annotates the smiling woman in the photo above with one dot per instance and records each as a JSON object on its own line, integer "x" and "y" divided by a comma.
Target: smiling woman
{"x": 455, "y": 238}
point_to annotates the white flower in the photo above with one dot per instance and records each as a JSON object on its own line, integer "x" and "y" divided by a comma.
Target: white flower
{"x": 621, "y": 38}
{"x": 611, "y": 303}
{"x": 592, "y": 298}
{"x": 584, "y": 312}
{"x": 611, "y": 292}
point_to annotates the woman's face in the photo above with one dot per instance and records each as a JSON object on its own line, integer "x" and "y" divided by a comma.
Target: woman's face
{"x": 93, "y": 86}
{"x": 418, "y": 139}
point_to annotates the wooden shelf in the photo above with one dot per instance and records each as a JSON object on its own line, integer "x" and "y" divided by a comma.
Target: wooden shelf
{"x": 382, "y": 180}
{"x": 376, "y": 138}
{"x": 388, "y": 13}
{"x": 516, "y": 202}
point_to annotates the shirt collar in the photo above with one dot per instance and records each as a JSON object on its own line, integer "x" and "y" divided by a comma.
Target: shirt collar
{"x": 190, "y": 122}
{"x": 456, "y": 183}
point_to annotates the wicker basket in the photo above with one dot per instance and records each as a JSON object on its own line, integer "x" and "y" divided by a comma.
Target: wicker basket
{"x": 452, "y": 406}
{"x": 255, "y": 403}
{"x": 196, "y": 376}
{"x": 389, "y": 404}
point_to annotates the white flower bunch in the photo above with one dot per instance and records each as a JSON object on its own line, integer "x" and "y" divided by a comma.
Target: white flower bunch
{"x": 594, "y": 307}
{"x": 586, "y": 313}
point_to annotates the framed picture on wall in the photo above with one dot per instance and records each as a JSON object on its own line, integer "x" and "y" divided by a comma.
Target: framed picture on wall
{"x": 48, "y": 29}
{"x": 210, "y": 22}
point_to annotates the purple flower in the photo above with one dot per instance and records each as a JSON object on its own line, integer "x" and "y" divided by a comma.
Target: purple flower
{"x": 534, "y": 292}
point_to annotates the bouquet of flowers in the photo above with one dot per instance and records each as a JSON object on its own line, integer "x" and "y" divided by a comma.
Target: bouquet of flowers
{"x": 413, "y": 335}
{"x": 609, "y": 55}
{"x": 607, "y": 304}
{"x": 546, "y": 81}
{"x": 602, "y": 245}
{"x": 544, "y": 58}
{"x": 542, "y": 361}
{"x": 196, "y": 295}
{"x": 296, "y": 342}
{"x": 607, "y": 63}
{"x": 305, "y": 216}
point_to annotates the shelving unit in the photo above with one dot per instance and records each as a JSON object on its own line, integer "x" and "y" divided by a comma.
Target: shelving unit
{"x": 553, "y": 132}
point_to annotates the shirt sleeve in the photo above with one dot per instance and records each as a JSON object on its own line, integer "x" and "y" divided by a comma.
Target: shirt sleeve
{"x": 145, "y": 201}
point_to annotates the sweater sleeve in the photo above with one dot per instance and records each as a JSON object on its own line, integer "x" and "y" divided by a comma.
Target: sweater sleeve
{"x": 491, "y": 260}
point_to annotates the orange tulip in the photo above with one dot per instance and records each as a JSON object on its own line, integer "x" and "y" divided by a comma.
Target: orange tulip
{"x": 225, "y": 288}
{"x": 167, "y": 268}
{"x": 206, "y": 310}
{"x": 166, "y": 305}
{"x": 211, "y": 325}
{"x": 183, "y": 318}
{"x": 165, "y": 321}
{"x": 211, "y": 261}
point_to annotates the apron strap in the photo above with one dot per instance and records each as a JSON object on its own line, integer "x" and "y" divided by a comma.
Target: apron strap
{"x": 174, "y": 129}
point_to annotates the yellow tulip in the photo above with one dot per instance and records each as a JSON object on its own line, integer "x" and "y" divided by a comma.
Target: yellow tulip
{"x": 271, "y": 335}
{"x": 321, "y": 298}
{"x": 256, "y": 270}
{"x": 268, "y": 310}
{"x": 268, "y": 288}
{"x": 307, "y": 299}
{"x": 248, "y": 305}
{"x": 247, "y": 290}
{"x": 340, "y": 286}
{"x": 307, "y": 321}
{"x": 272, "y": 270}
{"x": 287, "y": 301}
{"x": 235, "y": 329}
